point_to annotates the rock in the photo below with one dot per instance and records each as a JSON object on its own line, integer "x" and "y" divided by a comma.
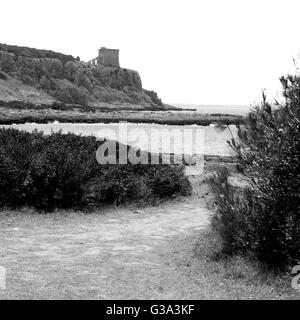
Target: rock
{"x": 138, "y": 211}
{"x": 87, "y": 84}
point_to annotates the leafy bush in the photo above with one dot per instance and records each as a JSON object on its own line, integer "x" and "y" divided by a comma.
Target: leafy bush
{"x": 71, "y": 95}
{"x": 61, "y": 171}
{"x": 123, "y": 183}
{"x": 3, "y": 76}
{"x": 263, "y": 218}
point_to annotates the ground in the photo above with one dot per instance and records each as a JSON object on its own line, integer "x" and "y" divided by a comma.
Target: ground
{"x": 125, "y": 112}
{"x": 161, "y": 252}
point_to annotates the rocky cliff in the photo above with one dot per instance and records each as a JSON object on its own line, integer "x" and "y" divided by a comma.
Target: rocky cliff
{"x": 44, "y": 78}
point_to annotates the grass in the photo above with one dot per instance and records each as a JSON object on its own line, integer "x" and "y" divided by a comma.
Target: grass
{"x": 162, "y": 252}
{"x": 167, "y": 251}
{"x": 235, "y": 277}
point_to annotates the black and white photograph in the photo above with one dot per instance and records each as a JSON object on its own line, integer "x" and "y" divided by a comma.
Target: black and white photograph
{"x": 150, "y": 151}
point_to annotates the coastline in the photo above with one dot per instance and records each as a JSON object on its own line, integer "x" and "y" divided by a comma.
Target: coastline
{"x": 16, "y": 116}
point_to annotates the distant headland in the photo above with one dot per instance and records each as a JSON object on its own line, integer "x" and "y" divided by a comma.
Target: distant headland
{"x": 43, "y": 85}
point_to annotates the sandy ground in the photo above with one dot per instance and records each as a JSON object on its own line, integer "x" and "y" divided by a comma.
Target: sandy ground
{"x": 115, "y": 254}
{"x": 161, "y": 252}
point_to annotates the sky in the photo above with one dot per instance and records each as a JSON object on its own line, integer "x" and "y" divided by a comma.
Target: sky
{"x": 189, "y": 51}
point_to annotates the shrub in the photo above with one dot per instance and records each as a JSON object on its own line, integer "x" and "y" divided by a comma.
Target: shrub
{"x": 7, "y": 62}
{"x": 70, "y": 69}
{"x": 233, "y": 218}
{"x": 166, "y": 182}
{"x": 71, "y": 95}
{"x": 3, "y": 76}
{"x": 61, "y": 171}
{"x": 45, "y": 83}
{"x": 263, "y": 218}
{"x": 126, "y": 183}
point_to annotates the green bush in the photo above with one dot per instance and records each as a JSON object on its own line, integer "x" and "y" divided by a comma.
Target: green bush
{"x": 263, "y": 218}
{"x": 61, "y": 171}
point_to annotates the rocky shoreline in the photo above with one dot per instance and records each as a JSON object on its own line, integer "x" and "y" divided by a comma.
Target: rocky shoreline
{"x": 17, "y": 116}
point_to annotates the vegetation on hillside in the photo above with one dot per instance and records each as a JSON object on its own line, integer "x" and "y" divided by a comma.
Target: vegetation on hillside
{"x": 262, "y": 218}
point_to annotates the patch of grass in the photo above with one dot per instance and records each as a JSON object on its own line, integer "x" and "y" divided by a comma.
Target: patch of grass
{"x": 69, "y": 255}
{"x": 236, "y": 277}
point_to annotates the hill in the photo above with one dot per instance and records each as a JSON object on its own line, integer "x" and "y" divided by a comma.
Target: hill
{"x": 32, "y": 78}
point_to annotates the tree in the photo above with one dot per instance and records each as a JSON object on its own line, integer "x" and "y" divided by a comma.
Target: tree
{"x": 264, "y": 217}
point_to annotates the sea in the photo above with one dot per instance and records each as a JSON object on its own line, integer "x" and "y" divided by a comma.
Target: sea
{"x": 211, "y": 109}
{"x": 210, "y": 141}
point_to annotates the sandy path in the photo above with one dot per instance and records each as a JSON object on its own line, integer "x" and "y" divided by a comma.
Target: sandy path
{"x": 118, "y": 254}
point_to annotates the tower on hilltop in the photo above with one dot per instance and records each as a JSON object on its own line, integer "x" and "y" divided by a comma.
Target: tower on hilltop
{"x": 108, "y": 57}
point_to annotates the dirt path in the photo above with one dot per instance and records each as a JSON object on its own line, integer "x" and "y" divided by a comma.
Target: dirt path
{"x": 118, "y": 254}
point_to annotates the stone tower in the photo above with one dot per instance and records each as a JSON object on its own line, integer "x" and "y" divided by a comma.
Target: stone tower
{"x": 108, "y": 57}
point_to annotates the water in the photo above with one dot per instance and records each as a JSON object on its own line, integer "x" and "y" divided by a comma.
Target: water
{"x": 222, "y": 109}
{"x": 214, "y": 141}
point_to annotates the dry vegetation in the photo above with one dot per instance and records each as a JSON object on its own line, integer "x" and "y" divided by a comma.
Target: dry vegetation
{"x": 109, "y": 115}
{"x": 161, "y": 252}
